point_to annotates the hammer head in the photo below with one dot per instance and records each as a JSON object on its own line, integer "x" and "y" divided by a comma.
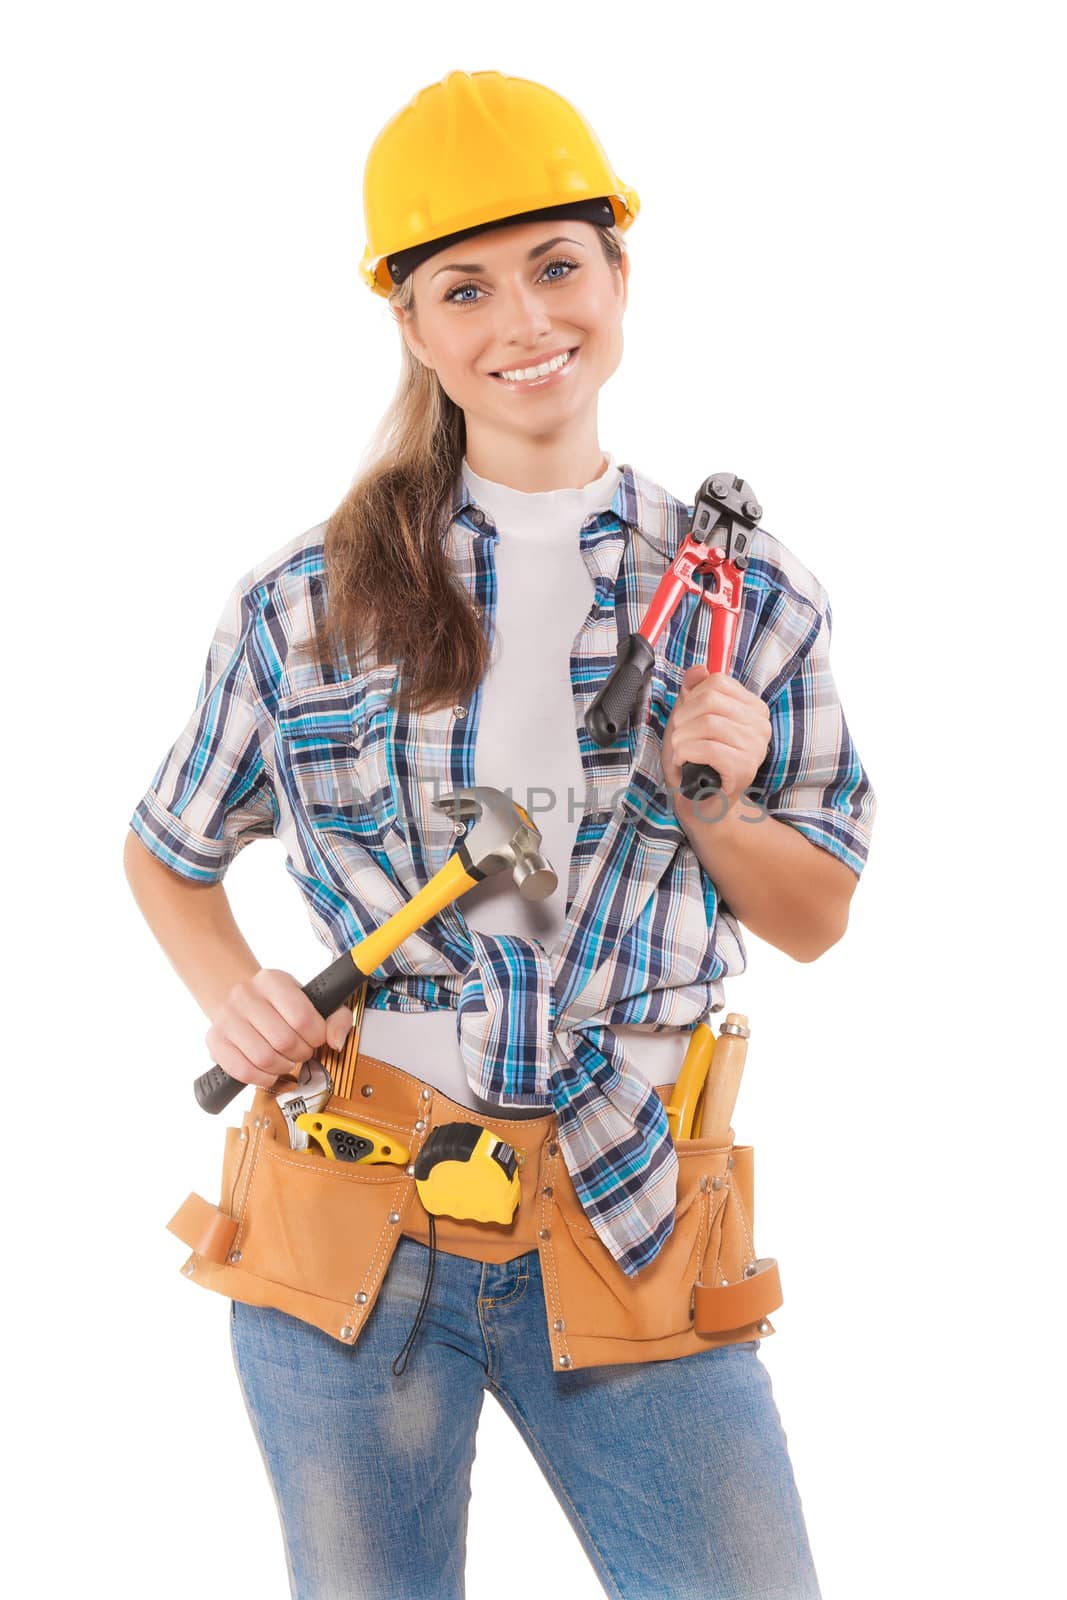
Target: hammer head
{"x": 503, "y": 836}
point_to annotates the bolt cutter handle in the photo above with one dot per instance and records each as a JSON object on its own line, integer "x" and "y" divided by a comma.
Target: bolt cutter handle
{"x": 610, "y": 710}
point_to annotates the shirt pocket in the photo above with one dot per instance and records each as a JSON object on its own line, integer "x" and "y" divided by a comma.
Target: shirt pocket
{"x": 335, "y": 757}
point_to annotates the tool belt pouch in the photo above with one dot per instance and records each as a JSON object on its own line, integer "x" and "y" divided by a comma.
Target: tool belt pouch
{"x": 706, "y": 1286}
{"x": 293, "y": 1230}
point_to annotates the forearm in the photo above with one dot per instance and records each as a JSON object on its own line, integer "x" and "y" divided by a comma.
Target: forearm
{"x": 778, "y": 883}
{"x": 194, "y": 925}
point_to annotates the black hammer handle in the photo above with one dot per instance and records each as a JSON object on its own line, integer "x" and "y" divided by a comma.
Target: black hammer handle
{"x": 214, "y": 1089}
{"x": 610, "y": 711}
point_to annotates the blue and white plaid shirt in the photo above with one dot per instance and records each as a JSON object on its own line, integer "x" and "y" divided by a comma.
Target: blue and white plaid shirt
{"x": 328, "y": 762}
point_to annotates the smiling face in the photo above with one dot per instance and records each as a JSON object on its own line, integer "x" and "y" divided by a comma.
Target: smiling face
{"x": 505, "y": 301}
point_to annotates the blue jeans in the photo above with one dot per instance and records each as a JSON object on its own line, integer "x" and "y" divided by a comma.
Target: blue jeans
{"x": 674, "y": 1474}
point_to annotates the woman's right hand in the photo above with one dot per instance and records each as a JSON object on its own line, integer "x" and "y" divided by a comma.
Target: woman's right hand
{"x": 267, "y": 1028}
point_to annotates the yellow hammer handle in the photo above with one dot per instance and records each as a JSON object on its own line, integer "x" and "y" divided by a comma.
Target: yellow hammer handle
{"x": 444, "y": 887}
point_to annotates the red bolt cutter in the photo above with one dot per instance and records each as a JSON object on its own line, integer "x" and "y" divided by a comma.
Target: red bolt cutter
{"x": 725, "y": 517}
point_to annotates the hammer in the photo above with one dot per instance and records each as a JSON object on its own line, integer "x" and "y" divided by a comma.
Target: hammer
{"x": 503, "y": 835}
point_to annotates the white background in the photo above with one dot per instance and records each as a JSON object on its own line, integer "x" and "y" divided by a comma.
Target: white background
{"x": 846, "y": 287}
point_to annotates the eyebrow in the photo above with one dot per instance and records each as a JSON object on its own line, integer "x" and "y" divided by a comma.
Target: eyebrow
{"x": 531, "y": 255}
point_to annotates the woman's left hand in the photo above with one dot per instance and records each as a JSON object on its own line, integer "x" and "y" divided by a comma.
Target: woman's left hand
{"x": 715, "y": 721}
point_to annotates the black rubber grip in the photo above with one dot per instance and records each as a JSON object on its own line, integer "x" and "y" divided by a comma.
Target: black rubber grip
{"x": 214, "y": 1089}
{"x": 333, "y": 985}
{"x": 699, "y": 781}
{"x": 610, "y": 711}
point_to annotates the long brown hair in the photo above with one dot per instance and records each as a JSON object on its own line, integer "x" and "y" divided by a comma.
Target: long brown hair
{"x": 390, "y": 593}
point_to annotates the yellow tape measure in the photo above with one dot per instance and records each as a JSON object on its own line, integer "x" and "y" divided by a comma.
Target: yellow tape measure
{"x": 465, "y": 1171}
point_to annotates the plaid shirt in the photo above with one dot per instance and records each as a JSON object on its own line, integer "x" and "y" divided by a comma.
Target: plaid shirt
{"x": 328, "y": 762}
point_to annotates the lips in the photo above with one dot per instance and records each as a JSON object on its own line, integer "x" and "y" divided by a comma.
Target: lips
{"x": 520, "y": 366}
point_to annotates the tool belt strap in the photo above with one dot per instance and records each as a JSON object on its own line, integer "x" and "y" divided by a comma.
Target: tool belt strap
{"x": 204, "y": 1228}
{"x": 736, "y": 1305}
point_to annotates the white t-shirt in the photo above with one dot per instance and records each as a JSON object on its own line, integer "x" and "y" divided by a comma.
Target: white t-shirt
{"x": 527, "y": 744}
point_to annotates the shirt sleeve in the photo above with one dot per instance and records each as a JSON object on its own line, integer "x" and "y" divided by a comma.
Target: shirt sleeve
{"x": 212, "y": 793}
{"x": 812, "y": 776}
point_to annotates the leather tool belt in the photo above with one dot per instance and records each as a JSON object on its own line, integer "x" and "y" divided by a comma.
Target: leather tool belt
{"x": 314, "y": 1237}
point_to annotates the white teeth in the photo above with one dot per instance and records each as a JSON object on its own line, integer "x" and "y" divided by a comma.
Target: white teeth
{"x": 525, "y": 373}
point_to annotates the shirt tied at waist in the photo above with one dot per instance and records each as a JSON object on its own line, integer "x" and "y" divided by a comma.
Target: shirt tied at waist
{"x": 611, "y": 1124}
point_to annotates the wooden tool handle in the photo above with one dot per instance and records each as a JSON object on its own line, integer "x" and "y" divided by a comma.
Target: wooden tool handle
{"x": 724, "y": 1080}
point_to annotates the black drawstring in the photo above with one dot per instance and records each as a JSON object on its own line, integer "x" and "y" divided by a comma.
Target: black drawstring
{"x": 409, "y": 1341}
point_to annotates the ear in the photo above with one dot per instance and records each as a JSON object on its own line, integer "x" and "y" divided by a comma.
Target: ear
{"x": 624, "y": 268}
{"x": 405, "y": 320}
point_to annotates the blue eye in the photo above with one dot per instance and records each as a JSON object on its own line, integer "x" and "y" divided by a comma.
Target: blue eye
{"x": 558, "y": 261}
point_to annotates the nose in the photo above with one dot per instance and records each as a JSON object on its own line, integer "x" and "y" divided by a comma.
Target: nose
{"x": 522, "y": 318}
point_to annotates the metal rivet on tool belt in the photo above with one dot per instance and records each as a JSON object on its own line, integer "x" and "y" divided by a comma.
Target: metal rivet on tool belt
{"x": 410, "y": 1170}
{"x": 564, "y": 1361}
{"x": 547, "y": 1189}
{"x": 460, "y": 711}
{"x": 703, "y": 1180}
{"x": 346, "y": 1332}
{"x": 394, "y": 1216}
{"x": 730, "y": 1162}
{"x": 367, "y": 1090}
{"x": 716, "y": 1183}
{"x": 425, "y": 1094}
{"x": 190, "y": 1269}
{"x": 559, "y": 1324}
{"x": 362, "y": 1298}
{"x": 762, "y": 1328}
{"x": 244, "y": 1133}
{"x": 419, "y": 1125}
{"x": 235, "y": 1255}
{"x": 544, "y": 1234}
{"x": 552, "y": 1149}
{"x": 751, "y": 1269}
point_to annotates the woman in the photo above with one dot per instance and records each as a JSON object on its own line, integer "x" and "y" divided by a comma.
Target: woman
{"x": 470, "y": 591}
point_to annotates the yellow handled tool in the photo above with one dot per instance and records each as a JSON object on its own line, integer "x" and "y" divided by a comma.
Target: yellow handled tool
{"x": 685, "y": 1100}
{"x": 345, "y": 1139}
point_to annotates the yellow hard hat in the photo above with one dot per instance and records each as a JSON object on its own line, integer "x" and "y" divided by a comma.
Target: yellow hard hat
{"x": 480, "y": 149}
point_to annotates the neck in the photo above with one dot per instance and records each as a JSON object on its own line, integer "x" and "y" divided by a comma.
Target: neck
{"x": 522, "y": 464}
